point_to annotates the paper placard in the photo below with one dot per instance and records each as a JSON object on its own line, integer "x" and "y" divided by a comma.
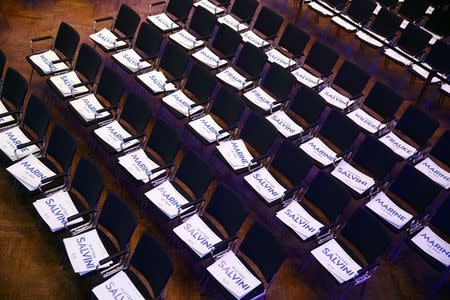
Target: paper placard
{"x": 388, "y": 210}
{"x": 44, "y": 62}
{"x": 319, "y": 151}
{"x": 163, "y": 22}
{"x": 265, "y": 184}
{"x": 209, "y": 6}
{"x": 398, "y": 145}
{"x": 113, "y": 134}
{"x": 232, "y": 23}
{"x": 131, "y": 59}
{"x": 371, "y": 40}
{"x": 66, "y": 81}
{"x": 233, "y": 78}
{"x": 306, "y": 78}
{"x": 181, "y": 103}
{"x": 208, "y": 128}
{"x": 185, "y": 39}
{"x": 299, "y": 220}
{"x": 334, "y": 98}
{"x": 166, "y": 198}
{"x": 139, "y": 165}
{"x": 434, "y": 172}
{"x": 156, "y": 81}
{"x": 433, "y": 245}
{"x": 4, "y": 110}
{"x": 30, "y": 171}
{"x": 107, "y": 39}
{"x": 253, "y": 38}
{"x": 275, "y": 56}
{"x": 87, "y": 107}
{"x": 365, "y": 120}
{"x": 403, "y": 58}
{"x": 117, "y": 287}
{"x": 208, "y": 57}
{"x": 353, "y": 178}
{"x": 261, "y": 99}
{"x": 13, "y": 137}
{"x": 231, "y": 273}
{"x": 284, "y": 124}
{"x": 235, "y": 153}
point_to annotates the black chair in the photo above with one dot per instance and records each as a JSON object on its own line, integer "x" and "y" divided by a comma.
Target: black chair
{"x": 436, "y": 60}
{"x": 62, "y": 51}
{"x": 241, "y": 14}
{"x": 12, "y": 96}
{"x": 174, "y": 13}
{"x": 358, "y": 12}
{"x": 413, "y": 11}
{"x": 265, "y": 29}
{"x": 122, "y": 29}
{"x": 76, "y": 82}
{"x": 143, "y": 52}
{"x": 436, "y": 23}
{"x": 439, "y": 150}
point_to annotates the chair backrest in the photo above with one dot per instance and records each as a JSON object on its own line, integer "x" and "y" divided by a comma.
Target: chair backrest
{"x": 200, "y": 82}
{"x": 179, "y": 8}
{"x": 351, "y": 78}
{"x": 438, "y": 56}
{"x": 244, "y": 9}
{"x": 268, "y": 22}
{"x": 339, "y": 130}
{"x": 383, "y": 100}
{"x": 413, "y": 9}
{"x": 174, "y": 59}
{"x": 413, "y": 39}
{"x": 149, "y": 39}
{"x": 437, "y": 22}
{"x": 136, "y": 112}
{"x": 110, "y": 86}
{"x": 88, "y": 181}
{"x": 417, "y": 125}
{"x": 88, "y": 62}
{"x": 258, "y": 132}
{"x": 386, "y": 23}
{"x": 152, "y": 261}
{"x": 2, "y": 63}
{"x": 164, "y": 140}
{"x": 202, "y": 21}
{"x": 269, "y": 260}
{"x": 127, "y": 20}
{"x": 294, "y": 39}
{"x": 37, "y": 116}
{"x": 278, "y": 81}
{"x": 61, "y": 147}
{"x": 228, "y": 106}
{"x": 308, "y": 104}
{"x": 361, "y": 10}
{"x": 67, "y": 40}
{"x": 251, "y": 59}
{"x": 195, "y": 173}
{"x": 441, "y": 220}
{"x": 15, "y": 88}
{"x": 321, "y": 58}
{"x": 226, "y": 40}
{"x": 226, "y": 207}
{"x": 440, "y": 149}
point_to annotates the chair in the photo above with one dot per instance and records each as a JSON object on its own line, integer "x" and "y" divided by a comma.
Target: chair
{"x": 76, "y": 81}
{"x": 413, "y": 11}
{"x": 143, "y": 52}
{"x": 122, "y": 29}
{"x": 174, "y": 12}
{"x": 437, "y": 25}
{"x": 12, "y": 96}
{"x": 240, "y": 15}
{"x": 439, "y": 149}
{"x": 358, "y": 12}
{"x": 266, "y": 28}
{"x": 62, "y": 50}
{"x": 436, "y": 61}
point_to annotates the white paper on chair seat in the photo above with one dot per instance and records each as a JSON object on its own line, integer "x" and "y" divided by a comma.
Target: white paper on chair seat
{"x": 433, "y": 245}
{"x": 377, "y": 8}
{"x": 139, "y": 165}
{"x": 209, "y": 6}
{"x": 131, "y": 59}
{"x": 398, "y": 145}
{"x": 319, "y": 151}
{"x": 85, "y": 251}
{"x": 371, "y": 40}
{"x": 156, "y": 81}
{"x": 4, "y": 110}
{"x": 208, "y": 57}
{"x": 299, "y": 220}
{"x": 116, "y": 287}
{"x": 277, "y": 57}
{"x": 335, "y": 98}
{"x": 403, "y": 58}
{"x": 365, "y": 120}
{"x": 388, "y": 210}
{"x": 181, "y": 103}
{"x": 163, "y": 22}
{"x": 343, "y": 23}
{"x": 208, "y": 128}
{"x": 13, "y": 137}
{"x": 319, "y": 8}
{"x": 424, "y": 73}
{"x": 44, "y": 62}
{"x": 87, "y": 106}
{"x": 113, "y": 134}
{"x": 232, "y": 274}
{"x": 429, "y": 10}
{"x": 107, "y": 39}
{"x": 230, "y": 21}
{"x": 253, "y": 38}
{"x": 404, "y": 24}
{"x": 434, "y": 172}
{"x": 55, "y": 209}
{"x": 334, "y": 258}
{"x": 30, "y": 171}
{"x": 306, "y": 78}
{"x": 166, "y": 198}
{"x": 265, "y": 184}
{"x": 261, "y": 99}
{"x": 284, "y": 124}
{"x": 197, "y": 235}
{"x": 446, "y": 88}
{"x": 235, "y": 153}
{"x": 185, "y": 39}
{"x": 353, "y": 178}
{"x": 233, "y": 78}
{"x": 65, "y": 82}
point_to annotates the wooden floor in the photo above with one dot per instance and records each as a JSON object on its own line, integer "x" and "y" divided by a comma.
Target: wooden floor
{"x": 29, "y": 257}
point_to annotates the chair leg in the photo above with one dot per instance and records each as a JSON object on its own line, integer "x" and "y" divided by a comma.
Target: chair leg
{"x": 31, "y": 76}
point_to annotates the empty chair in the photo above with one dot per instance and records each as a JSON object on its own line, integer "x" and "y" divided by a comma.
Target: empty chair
{"x": 175, "y": 12}
{"x": 12, "y": 97}
{"x": 358, "y": 12}
{"x": 143, "y": 52}
{"x": 266, "y": 28}
{"x": 327, "y": 8}
{"x": 436, "y": 61}
{"x": 413, "y": 10}
{"x": 241, "y": 14}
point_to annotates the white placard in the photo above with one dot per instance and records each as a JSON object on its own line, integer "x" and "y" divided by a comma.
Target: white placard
{"x": 319, "y": 151}
{"x": 107, "y": 39}
{"x": 181, "y": 103}
{"x": 352, "y": 177}
{"x": 156, "y": 81}
{"x": 197, "y": 235}
{"x": 343, "y": 22}
{"x": 87, "y": 107}
{"x": 30, "y": 171}
{"x": 131, "y": 59}
{"x": 231, "y": 22}
{"x": 365, "y": 120}
{"x": 334, "y": 98}
{"x": 253, "y": 38}
{"x": 163, "y": 22}
{"x": 404, "y": 24}
{"x": 261, "y": 99}
{"x": 55, "y": 209}
{"x": 209, "y": 6}
{"x": 433, "y": 245}
{"x": 370, "y": 39}
{"x": 377, "y": 9}
{"x": 402, "y": 58}
{"x": 398, "y": 145}
{"x": 65, "y": 82}
{"x": 434, "y": 172}
{"x": 284, "y": 124}
{"x": 140, "y": 166}
{"x": 233, "y": 78}
{"x": 117, "y": 287}
{"x": 275, "y": 56}
{"x": 306, "y": 78}
{"x": 336, "y": 261}
{"x": 299, "y": 220}
{"x": 166, "y": 198}
{"x": 265, "y": 185}
{"x": 235, "y": 153}
{"x": 208, "y": 128}
{"x": 44, "y": 62}
{"x": 231, "y": 273}
{"x": 208, "y": 57}
{"x": 4, "y": 110}
{"x": 388, "y": 210}
{"x": 185, "y": 39}
{"x": 13, "y": 137}
{"x": 113, "y": 134}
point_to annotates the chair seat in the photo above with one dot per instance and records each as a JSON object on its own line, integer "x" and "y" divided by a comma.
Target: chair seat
{"x": 353, "y": 178}
{"x": 231, "y": 77}
{"x": 181, "y": 104}
{"x": 155, "y": 82}
{"x": 163, "y": 22}
{"x": 343, "y": 23}
{"x": 366, "y": 121}
{"x": 232, "y": 22}
{"x": 284, "y": 124}
{"x": 63, "y": 83}
{"x": 86, "y": 107}
{"x": 403, "y": 59}
{"x": 209, "y": 6}
{"x": 11, "y": 138}
{"x": 423, "y": 73}
{"x": 168, "y": 197}
{"x": 435, "y": 172}
{"x": 208, "y": 129}
{"x": 130, "y": 59}
{"x": 42, "y": 63}
{"x": 234, "y": 154}
{"x": 261, "y": 99}
{"x": 251, "y": 37}
{"x": 8, "y": 120}
{"x": 107, "y": 40}
{"x": 306, "y": 78}
{"x": 323, "y": 9}
{"x": 398, "y": 145}
{"x": 112, "y": 135}
{"x": 370, "y": 39}
{"x": 139, "y": 164}
{"x": 265, "y": 185}
{"x": 335, "y": 98}
{"x": 275, "y": 56}
{"x": 320, "y": 152}
{"x": 186, "y": 40}
{"x": 209, "y": 58}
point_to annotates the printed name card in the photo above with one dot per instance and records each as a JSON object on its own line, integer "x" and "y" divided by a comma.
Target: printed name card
{"x": 107, "y": 39}
{"x": 30, "y": 171}
{"x": 277, "y": 57}
{"x": 209, "y": 6}
{"x": 156, "y": 81}
{"x": 253, "y": 38}
{"x": 13, "y": 137}
{"x": 398, "y": 145}
{"x": 130, "y": 59}
{"x": 163, "y": 22}
{"x": 235, "y": 153}
{"x": 166, "y": 198}
{"x": 334, "y": 98}
{"x": 319, "y": 151}
{"x": 197, "y": 235}
{"x": 55, "y": 209}
{"x": 117, "y": 287}
{"x": 232, "y": 23}
{"x": 87, "y": 107}
{"x": 433, "y": 245}
{"x": 185, "y": 39}
{"x": 306, "y": 78}
{"x": 140, "y": 166}
{"x": 299, "y": 220}
{"x": 231, "y": 273}
{"x": 208, "y": 57}
{"x": 284, "y": 124}
{"x": 353, "y": 178}
{"x": 181, "y": 103}
{"x": 4, "y": 110}
{"x": 434, "y": 172}
{"x": 336, "y": 261}
{"x": 260, "y": 98}
{"x": 65, "y": 82}
{"x": 388, "y": 210}
{"x": 208, "y": 128}
{"x": 113, "y": 134}
{"x": 365, "y": 120}
{"x": 265, "y": 185}
{"x": 44, "y": 62}
{"x": 233, "y": 78}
